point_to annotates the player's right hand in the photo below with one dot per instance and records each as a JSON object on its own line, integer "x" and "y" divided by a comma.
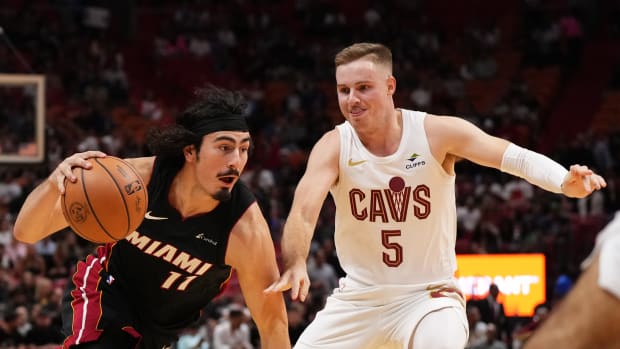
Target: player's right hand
{"x": 294, "y": 278}
{"x": 581, "y": 181}
{"x": 65, "y": 168}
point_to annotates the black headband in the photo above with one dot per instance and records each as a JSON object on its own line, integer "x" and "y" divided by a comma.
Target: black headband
{"x": 229, "y": 122}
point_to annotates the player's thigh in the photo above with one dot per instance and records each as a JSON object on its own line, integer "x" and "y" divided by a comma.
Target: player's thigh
{"x": 440, "y": 329}
{"x": 342, "y": 325}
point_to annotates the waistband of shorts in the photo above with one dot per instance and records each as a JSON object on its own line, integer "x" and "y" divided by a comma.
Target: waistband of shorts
{"x": 349, "y": 282}
{"x": 353, "y": 291}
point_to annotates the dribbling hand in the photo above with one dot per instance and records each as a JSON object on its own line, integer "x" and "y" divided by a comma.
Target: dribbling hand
{"x": 294, "y": 278}
{"x": 580, "y": 182}
{"x": 65, "y": 168}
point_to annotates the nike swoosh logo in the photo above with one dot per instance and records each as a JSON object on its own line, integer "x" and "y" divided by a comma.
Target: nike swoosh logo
{"x": 155, "y": 218}
{"x": 355, "y": 163}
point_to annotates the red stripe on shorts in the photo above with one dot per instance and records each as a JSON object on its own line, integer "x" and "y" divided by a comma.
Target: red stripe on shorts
{"x": 86, "y": 301}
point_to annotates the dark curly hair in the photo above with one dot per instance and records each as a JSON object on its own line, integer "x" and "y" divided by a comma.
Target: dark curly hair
{"x": 210, "y": 102}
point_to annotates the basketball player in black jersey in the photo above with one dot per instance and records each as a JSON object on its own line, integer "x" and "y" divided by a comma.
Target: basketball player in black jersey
{"x": 200, "y": 223}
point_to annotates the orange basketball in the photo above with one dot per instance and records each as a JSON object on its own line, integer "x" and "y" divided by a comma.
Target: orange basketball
{"x": 107, "y": 202}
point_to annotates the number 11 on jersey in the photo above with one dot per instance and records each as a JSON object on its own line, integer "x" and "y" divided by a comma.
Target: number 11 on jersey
{"x": 173, "y": 277}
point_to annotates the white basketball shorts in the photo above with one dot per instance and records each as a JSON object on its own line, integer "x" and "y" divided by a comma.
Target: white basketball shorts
{"x": 372, "y": 317}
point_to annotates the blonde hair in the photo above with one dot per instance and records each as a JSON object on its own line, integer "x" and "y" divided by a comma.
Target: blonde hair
{"x": 377, "y": 53}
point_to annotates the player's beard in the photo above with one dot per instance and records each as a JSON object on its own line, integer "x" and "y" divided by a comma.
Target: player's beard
{"x": 222, "y": 195}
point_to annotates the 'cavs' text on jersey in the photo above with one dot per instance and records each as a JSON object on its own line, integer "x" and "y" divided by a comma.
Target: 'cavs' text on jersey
{"x": 386, "y": 205}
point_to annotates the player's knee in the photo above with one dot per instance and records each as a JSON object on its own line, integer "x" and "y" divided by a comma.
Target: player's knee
{"x": 442, "y": 329}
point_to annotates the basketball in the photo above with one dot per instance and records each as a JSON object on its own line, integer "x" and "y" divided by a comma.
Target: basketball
{"x": 107, "y": 202}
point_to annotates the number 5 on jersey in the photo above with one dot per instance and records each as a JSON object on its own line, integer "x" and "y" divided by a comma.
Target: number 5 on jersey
{"x": 395, "y": 258}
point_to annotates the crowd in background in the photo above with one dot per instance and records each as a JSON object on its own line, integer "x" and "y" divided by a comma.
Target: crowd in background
{"x": 112, "y": 72}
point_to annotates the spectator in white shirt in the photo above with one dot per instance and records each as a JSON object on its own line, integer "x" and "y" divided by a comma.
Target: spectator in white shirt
{"x": 233, "y": 332}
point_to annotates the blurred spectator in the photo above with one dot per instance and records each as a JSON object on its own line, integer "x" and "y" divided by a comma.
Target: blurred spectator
{"x": 232, "y": 332}
{"x": 323, "y": 278}
{"x": 150, "y": 108}
{"x": 477, "y": 327}
{"x": 468, "y": 215}
{"x": 522, "y": 333}
{"x": 14, "y": 327}
{"x": 194, "y": 337}
{"x": 492, "y": 311}
{"x": 46, "y": 249}
{"x": 573, "y": 36}
{"x": 60, "y": 265}
{"x": 483, "y": 66}
{"x": 296, "y": 320}
{"x": 44, "y": 334}
{"x": 601, "y": 153}
{"x": 199, "y": 45}
{"x": 96, "y": 17}
{"x": 491, "y": 341}
{"x": 32, "y": 262}
{"x": 593, "y": 206}
{"x": 6, "y": 235}
{"x": 331, "y": 257}
{"x": 422, "y": 95}
{"x": 9, "y": 188}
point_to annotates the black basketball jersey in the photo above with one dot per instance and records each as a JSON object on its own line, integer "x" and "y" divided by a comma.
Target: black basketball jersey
{"x": 171, "y": 266}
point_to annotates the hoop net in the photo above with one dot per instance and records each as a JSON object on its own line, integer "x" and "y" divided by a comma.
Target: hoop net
{"x": 397, "y": 200}
{"x": 398, "y": 197}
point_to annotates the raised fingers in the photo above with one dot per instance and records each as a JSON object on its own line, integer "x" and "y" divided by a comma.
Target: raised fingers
{"x": 597, "y": 182}
{"x": 580, "y": 170}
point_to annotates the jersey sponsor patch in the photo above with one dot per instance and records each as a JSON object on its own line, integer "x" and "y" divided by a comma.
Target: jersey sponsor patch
{"x": 414, "y": 161}
{"x": 203, "y": 237}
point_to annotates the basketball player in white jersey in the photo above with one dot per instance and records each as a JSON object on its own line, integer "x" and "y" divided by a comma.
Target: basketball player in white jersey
{"x": 589, "y": 316}
{"x": 391, "y": 174}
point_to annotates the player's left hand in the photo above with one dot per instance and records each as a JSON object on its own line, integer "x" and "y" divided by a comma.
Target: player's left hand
{"x": 581, "y": 181}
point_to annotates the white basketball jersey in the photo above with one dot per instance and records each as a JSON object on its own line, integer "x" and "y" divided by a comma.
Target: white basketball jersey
{"x": 395, "y": 215}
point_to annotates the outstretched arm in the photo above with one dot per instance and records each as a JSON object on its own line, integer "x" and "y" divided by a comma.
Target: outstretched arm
{"x": 251, "y": 253}
{"x": 41, "y": 214}
{"x": 321, "y": 173}
{"x": 451, "y": 136}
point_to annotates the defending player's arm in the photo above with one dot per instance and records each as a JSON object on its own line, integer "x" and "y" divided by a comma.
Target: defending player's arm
{"x": 587, "y": 317}
{"x": 251, "y": 252}
{"x": 41, "y": 214}
{"x": 458, "y": 137}
{"x": 321, "y": 173}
